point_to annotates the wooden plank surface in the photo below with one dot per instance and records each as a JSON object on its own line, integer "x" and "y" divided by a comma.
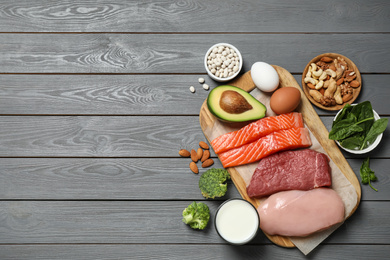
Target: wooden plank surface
{"x": 181, "y": 53}
{"x": 110, "y": 136}
{"x": 128, "y": 179}
{"x": 195, "y": 16}
{"x": 173, "y": 252}
{"x": 94, "y": 105}
{"x": 151, "y": 222}
{"x": 131, "y": 94}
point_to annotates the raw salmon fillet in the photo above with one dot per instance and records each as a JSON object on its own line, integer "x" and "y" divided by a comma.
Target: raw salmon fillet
{"x": 255, "y": 130}
{"x": 277, "y": 141}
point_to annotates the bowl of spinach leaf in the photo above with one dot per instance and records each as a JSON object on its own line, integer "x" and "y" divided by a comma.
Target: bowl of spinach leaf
{"x": 357, "y": 128}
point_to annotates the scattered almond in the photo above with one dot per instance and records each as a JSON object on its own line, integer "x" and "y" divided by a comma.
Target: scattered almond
{"x": 206, "y": 155}
{"x": 194, "y": 156}
{"x": 193, "y": 167}
{"x": 204, "y": 145}
{"x": 354, "y": 84}
{"x": 207, "y": 163}
{"x": 184, "y": 153}
{"x": 199, "y": 153}
{"x": 326, "y": 59}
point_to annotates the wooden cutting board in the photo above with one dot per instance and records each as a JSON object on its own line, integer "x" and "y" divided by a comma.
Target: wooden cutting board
{"x": 312, "y": 121}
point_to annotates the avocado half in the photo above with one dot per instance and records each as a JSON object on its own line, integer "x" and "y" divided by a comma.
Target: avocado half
{"x": 232, "y": 104}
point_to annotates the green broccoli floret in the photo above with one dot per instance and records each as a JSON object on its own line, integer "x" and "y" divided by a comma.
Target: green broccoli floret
{"x": 196, "y": 215}
{"x": 212, "y": 183}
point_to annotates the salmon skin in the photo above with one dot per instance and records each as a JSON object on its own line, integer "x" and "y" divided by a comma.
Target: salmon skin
{"x": 277, "y": 141}
{"x": 255, "y": 130}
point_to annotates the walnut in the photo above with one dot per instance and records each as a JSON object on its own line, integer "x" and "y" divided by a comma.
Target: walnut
{"x": 328, "y": 101}
{"x": 346, "y": 89}
{"x": 324, "y": 66}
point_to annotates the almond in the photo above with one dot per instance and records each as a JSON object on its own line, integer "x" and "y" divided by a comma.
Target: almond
{"x": 207, "y": 163}
{"x": 199, "y": 153}
{"x": 206, "y": 155}
{"x": 193, "y": 167}
{"x": 194, "y": 156}
{"x": 311, "y": 86}
{"x": 326, "y": 59}
{"x": 354, "y": 84}
{"x": 347, "y": 97}
{"x": 184, "y": 153}
{"x": 339, "y": 81}
{"x": 203, "y": 145}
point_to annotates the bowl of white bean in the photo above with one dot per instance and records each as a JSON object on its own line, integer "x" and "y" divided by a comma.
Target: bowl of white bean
{"x": 223, "y": 62}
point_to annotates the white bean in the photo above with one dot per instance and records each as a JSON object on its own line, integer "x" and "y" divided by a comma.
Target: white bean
{"x": 192, "y": 89}
{"x": 201, "y": 80}
{"x": 225, "y": 72}
{"x": 206, "y": 87}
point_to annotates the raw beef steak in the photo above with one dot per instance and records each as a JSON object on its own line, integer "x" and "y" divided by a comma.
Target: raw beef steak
{"x": 290, "y": 170}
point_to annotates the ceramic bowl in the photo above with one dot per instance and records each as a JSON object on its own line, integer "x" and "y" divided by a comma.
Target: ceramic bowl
{"x": 350, "y": 64}
{"x": 221, "y": 79}
{"x": 368, "y": 149}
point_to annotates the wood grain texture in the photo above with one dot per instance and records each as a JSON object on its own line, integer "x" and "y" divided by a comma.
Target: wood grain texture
{"x": 195, "y": 16}
{"x": 112, "y": 136}
{"x": 177, "y": 251}
{"x": 102, "y": 179}
{"x": 157, "y": 222}
{"x": 181, "y": 53}
{"x": 128, "y": 179}
{"x": 131, "y": 94}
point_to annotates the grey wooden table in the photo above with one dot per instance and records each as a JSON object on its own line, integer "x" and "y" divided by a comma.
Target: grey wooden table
{"x": 95, "y": 104}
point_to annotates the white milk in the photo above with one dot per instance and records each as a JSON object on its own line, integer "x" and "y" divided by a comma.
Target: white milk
{"x": 237, "y": 221}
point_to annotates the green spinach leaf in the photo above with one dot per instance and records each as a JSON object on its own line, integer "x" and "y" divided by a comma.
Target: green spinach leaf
{"x": 345, "y": 128}
{"x": 367, "y": 174}
{"x": 377, "y": 128}
{"x": 354, "y": 142}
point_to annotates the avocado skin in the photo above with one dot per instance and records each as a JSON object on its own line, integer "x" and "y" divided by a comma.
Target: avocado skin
{"x": 257, "y": 112}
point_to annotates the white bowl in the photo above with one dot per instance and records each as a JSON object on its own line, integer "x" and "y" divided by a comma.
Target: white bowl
{"x": 220, "y": 79}
{"x": 368, "y": 149}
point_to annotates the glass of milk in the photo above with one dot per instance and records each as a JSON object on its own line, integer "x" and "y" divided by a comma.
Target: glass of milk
{"x": 237, "y": 221}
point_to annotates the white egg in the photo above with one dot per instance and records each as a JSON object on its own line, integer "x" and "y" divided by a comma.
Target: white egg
{"x": 264, "y": 76}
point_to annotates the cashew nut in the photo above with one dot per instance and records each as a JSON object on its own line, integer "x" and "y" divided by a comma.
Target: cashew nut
{"x": 311, "y": 80}
{"x": 323, "y": 76}
{"x": 331, "y": 73}
{"x": 308, "y": 74}
{"x": 313, "y": 67}
{"x": 317, "y": 73}
{"x": 320, "y": 84}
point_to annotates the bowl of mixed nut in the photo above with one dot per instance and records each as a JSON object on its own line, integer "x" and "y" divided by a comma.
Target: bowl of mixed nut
{"x": 331, "y": 80}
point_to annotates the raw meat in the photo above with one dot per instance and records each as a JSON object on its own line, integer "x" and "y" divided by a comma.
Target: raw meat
{"x": 255, "y": 130}
{"x": 290, "y": 170}
{"x": 277, "y": 141}
{"x": 300, "y": 213}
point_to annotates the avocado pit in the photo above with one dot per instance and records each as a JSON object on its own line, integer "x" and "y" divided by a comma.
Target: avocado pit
{"x": 233, "y": 102}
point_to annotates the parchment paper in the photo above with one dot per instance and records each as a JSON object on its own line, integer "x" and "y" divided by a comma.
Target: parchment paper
{"x": 339, "y": 182}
